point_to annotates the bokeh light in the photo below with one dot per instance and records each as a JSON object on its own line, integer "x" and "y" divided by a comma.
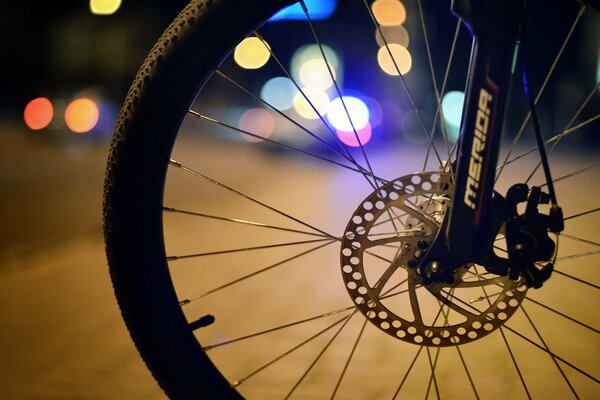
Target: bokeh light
{"x": 452, "y": 107}
{"x": 104, "y": 7}
{"x": 598, "y": 68}
{"x": 305, "y": 53}
{"x": 251, "y": 53}
{"x": 81, "y": 115}
{"x": 317, "y": 9}
{"x": 279, "y": 92}
{"x": 317, "y": 97}
{"x": 38, "y": 113}
{"x": 389, "y": 12}
{"x": 314, "y": 73}
{"x": 349, "y": 138}
{"x": 402, "y": 59}
{"x": 356, "y": 108}
{"x": 375, "y": 110}
{"x": 392, "y": 34}
{"x": 257, "y": 121}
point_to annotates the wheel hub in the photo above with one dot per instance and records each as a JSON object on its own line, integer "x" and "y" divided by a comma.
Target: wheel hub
{"x": 383, "y": 244}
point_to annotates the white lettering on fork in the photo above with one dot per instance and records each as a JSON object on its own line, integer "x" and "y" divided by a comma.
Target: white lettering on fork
{"x": 477, "y": 148}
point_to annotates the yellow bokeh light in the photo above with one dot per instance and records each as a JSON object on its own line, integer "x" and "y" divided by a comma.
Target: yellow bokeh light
{"x": 104, "y": 7}
{"x": 317, "y": 97}
{"x": 392, "y": 34}
{"x": 251, "y": 53}
{"x": 389, "y": 12}
{"x": 314, "y": 73}
{"x": 401, "y": 59}
{"x": 81, "y": 115}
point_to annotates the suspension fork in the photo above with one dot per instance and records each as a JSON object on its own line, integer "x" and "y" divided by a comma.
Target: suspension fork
{"x": 495, "y": 26}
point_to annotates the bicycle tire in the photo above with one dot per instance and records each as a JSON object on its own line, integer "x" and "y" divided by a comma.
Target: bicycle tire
{"x": 172, "y": 61}
{"x": 177, "y": 68}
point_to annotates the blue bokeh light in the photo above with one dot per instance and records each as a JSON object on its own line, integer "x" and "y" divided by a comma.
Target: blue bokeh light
{"x": 452, "y": 107}
{"x": 317, "y": 9}
{"x": 279, "y": 92}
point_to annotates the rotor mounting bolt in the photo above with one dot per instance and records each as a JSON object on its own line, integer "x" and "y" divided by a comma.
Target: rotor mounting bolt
{"x": 422, "y": 244}
{"x": 412, "y": 263}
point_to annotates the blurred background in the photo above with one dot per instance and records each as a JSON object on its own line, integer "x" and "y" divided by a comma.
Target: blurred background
{"x": 71, "y": 63}
{"x": 66, "y": 69}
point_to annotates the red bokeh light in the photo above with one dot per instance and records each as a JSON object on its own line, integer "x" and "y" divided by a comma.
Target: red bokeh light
{"x": 38, "y": 113}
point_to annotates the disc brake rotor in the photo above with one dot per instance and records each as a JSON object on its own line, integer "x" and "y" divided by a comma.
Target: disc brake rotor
{"x": 380, "y": 253}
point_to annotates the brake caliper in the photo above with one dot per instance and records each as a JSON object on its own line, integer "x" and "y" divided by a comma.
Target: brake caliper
{"x": 530, "y": 249}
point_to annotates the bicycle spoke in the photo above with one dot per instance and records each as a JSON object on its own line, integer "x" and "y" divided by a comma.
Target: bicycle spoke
{"x": 316, "y": 360}
{"x": 269, "y": 140}
{"x": 514, "y": 361}
{"x": 555, "y": 311}
{"x": 245, "y": 249}
{"x": 280, "y": 327}
{"x": 548, "y": 351}
{"x": 403, "y": 82}
{"x": 349, "y": 359}
{"x": 508, "y": 348}
{"x": 321, "y": 118}
{"x": 432, "y": 379}
{"x": 556, "y": 139}
{"x": 553, "y": 140}
{"x": 578, "y": 255}
{"x": 464, "y": 364}
{"x": 542, "y": 89}
{"x": 269, "y": 105}
{"x": 577, "y": 279}
{"x": 249, "y": 198}
{"x": 410, "y": 367}
{"x": 452, "y": 151}
{"x": 290, "y": 351}
{"x": 237, "y": 221}
{"x": 339, "y": 93}
{"x": 439, "y": 112}
{"x": 552, "y": 354}
{"x": 578, "y": 239}
{"x": 581, "y": 214}
{"x": 338, "y": 90}
{"x": 253, "y": 274}
{"x": 505, "y": 326}
{"x": 412, "y": 363}
{"x": 572, "y": 174}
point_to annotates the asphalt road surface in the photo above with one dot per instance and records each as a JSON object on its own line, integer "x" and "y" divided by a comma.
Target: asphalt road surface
{"x": 61, "y": 334}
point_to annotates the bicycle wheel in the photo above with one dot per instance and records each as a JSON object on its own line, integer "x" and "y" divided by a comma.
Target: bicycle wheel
{"x": 271, "y": 179}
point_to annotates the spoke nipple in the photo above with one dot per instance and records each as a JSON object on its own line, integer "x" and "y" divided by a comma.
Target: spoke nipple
{"x": 202, "y": 322}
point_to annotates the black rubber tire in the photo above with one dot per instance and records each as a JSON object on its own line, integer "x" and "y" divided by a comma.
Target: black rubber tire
{"x": 167, "y": 83}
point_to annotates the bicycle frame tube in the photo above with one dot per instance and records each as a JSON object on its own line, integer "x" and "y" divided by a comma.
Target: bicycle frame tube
{"x": 495, "y": 26}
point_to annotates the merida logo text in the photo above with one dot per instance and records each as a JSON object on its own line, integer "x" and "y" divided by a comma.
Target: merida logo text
{"x": 477, "y": 148}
